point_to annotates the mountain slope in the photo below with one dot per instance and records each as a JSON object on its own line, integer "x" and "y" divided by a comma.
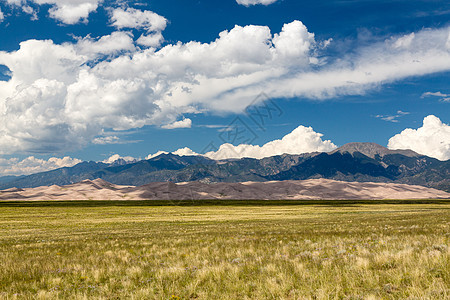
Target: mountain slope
{"x": 372, "y": 150}
{"x": 357, "y": 166}
{"x": 62, "y": 176}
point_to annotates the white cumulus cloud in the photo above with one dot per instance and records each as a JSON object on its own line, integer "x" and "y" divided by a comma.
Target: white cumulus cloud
{"x": 66, "y": 11}
{"x": 63, "y": 96}
{"x": 180, "y": 152}
{"x": 185, "y": 152}
{"x": 432, "y": 139}
{"x": 2, "y": 16}
{"x": 31, "y": 164}
{"x": 111, "y": 44}
{"x": 255, "y": 2}
{"x": 24, "y": 5}
{"x": 139, "y": 19}
{"x": 300, "y": 140}
{"x": 116, "y": 157}
{"x": 70, "y": 11}
{"x": 147, "y": 20}
{"x": 404, "y": 41}
{"x": 185, "y": 123}
{"x": 150, "y": 156}
{"x": 151, "y": 39}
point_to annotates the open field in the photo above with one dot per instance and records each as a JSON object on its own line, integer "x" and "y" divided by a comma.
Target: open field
{"x": 128, "y": 250}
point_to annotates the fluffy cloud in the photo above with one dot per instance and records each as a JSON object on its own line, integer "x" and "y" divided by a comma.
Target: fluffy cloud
{"x": 1, "y": 16}
{"x": 135, "y": 18}
{"x": 404, "y": 41}
{"x": 255, "y": 2}
{"x": 149, "y": 21}
{"x": 185, "y": 123}
{"x": 62, "y": 96}
{"x": 70, "y": 11}
{"x": 66, "y": 11}
{"x": 112, "y": 44}
{"x": 151, "y": 40}
{"x": 24, "y": 6}
{"x": 150, "y": 156}
{"x": 300, "y": 140}
{"x": 116, "y": 157}
{"x": 32, "y": 165}
{"x": 185, "y": 152}
{"x": 181, "y": 152}
{"x": 432, "y": 139}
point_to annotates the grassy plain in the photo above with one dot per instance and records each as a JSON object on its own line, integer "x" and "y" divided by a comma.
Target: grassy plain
{"x": 127, "y": 250}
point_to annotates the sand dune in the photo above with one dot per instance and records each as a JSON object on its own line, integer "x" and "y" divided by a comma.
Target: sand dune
{"x": 274, "y": 190}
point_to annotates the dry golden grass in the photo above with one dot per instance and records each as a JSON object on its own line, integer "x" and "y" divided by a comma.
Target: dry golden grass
{"x": 225, "y": 252}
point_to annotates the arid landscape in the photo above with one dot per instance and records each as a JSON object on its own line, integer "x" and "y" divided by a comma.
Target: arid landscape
{"x": 312, "y": 189}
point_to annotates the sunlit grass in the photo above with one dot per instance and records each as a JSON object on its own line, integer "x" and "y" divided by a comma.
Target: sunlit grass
{"x": 225, "y": 252}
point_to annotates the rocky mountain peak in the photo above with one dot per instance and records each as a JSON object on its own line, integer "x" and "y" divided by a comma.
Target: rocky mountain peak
{"x": 371, "y": 150}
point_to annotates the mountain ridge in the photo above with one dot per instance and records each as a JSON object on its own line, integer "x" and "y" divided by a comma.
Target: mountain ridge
{"x": 360, "y": 162}
{"x": 372, "y": 149}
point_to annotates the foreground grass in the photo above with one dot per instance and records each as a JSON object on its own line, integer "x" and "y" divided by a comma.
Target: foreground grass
{"x": 112, "y": 251}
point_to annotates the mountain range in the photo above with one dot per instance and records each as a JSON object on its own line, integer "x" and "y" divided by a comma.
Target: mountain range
{"x": 360, "y": 162}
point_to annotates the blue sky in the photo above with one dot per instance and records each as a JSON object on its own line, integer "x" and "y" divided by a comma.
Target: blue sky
{"x": 87, "y": 79}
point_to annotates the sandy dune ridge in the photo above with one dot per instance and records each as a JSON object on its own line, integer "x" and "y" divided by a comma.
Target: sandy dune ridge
{"x": 314, "y": 189}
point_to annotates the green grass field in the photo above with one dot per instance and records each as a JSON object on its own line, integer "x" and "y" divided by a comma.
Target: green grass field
{"x": 129, "y": 250}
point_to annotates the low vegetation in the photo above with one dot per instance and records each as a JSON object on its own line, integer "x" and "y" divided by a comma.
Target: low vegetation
{"x": 131, "y": 251}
